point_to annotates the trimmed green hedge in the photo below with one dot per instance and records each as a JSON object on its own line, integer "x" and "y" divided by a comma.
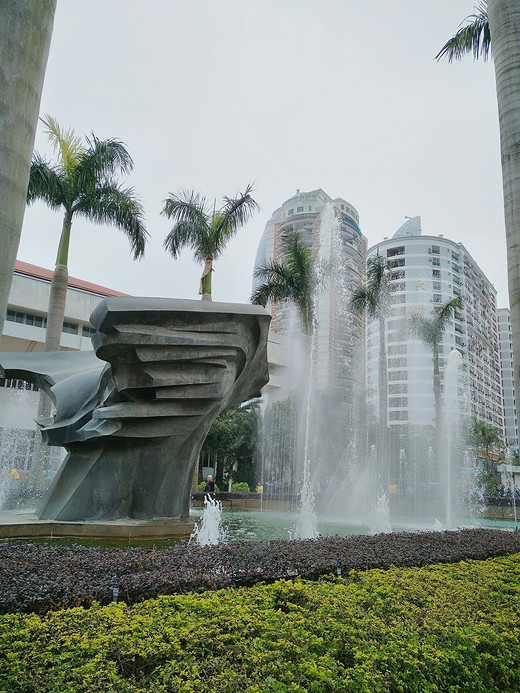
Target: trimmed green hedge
{"x": 432, "y": 629}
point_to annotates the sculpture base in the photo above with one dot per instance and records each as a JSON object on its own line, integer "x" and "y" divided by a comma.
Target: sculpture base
{"x": 29, "y": 526}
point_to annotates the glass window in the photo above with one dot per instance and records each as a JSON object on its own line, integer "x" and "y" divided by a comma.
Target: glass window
{"x": 395, "y": 251}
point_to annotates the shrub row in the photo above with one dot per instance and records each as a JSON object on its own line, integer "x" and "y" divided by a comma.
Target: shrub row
{"x": 39, "y": 577}
{"x": 425, "y": 630}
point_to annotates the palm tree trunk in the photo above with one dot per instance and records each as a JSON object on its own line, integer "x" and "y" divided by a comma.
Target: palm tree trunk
{"x": 437, "y": 388}
{"x": 205, "y": 280}
{"x": 25, "y": 36}
{"x": 382, "y": 451}
{"x": 504, "y": 24}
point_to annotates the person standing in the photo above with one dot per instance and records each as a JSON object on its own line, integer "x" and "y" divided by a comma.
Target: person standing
{"x": 210, "y": 485}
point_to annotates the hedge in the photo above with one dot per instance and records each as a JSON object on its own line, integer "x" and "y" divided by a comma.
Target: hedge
{"x": 39, "y": 577}
{"x": 440, "y": 628}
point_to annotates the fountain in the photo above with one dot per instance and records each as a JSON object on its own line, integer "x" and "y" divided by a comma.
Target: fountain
{"x": 133, "y": 415}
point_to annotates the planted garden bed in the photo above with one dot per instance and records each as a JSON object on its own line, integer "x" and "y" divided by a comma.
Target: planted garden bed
{"x": 40, "y": 577}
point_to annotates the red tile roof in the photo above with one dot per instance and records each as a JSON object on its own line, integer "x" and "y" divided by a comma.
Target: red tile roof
{"x": 45, "y": 274}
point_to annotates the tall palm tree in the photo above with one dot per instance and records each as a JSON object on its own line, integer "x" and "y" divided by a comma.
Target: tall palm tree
{"x": 495, "y": 28}
{"x": 292, "y": 278}
{"x": 83, "y": 183}
{"x": 374, "y": 299}
{"x": 203, "y": 229}
{"x": 25, "y": 36}
{"x": 431, "y": 331}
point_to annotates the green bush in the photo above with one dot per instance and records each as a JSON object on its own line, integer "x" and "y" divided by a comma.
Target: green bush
{"x": 432, "y": 629}
{"x": 240, "y": 487}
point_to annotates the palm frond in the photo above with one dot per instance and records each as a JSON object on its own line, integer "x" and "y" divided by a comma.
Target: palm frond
{"x": 445, "y": 313}
{"x": 102, "y": 160}
{"x": 110, "y": 204}
{"x": 191, "y": 224}
{"x": 66, "y": 143}
{"x": 474, "y": 37}
{"x": 45, "y": 183}
{"x": 235, "y": 213}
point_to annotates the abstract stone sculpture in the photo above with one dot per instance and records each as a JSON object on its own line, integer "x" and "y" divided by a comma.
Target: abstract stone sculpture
{"x": 134, "y": 414}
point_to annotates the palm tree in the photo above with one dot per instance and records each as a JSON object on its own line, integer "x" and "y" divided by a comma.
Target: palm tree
{"x": 83, "y": 183}
{"x": 485, "y": 437}
{"x": 374, "y": 299}
{"x": 431, "y": 331}
{"x": 205, "y": 230}
{"x": 495, "y": 28}
{"x": 292, "y": 278}
{"x": 25, "y": 35}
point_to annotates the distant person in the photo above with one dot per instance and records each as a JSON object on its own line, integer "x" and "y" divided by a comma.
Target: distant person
{"x": 259, "y": 488}
{"x": 210, "y": 485}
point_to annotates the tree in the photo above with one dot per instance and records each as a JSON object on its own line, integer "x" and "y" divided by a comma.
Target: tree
{"x": 431, "y": 331}
{"x": 374, "y": 299}
{"x": 293, "y": 278}
{"x": 205, "y": 230}
{"x": 495, "y": 29}
{"x": 485, "y": 437}
{"x": 83, "y": 183}
{"x": 25, "y": 36}
{"x": 232, "y": 441}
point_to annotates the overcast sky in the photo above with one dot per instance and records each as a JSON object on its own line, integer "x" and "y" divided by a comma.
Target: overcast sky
{"x": 214, "y": 94}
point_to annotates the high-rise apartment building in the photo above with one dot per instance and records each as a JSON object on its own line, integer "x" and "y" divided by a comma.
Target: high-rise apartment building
{"x": 330, "y": 227}
{"x": 426, "y": 272}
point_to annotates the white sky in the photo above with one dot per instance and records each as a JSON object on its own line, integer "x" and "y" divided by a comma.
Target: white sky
{"x": 213, "y": 94}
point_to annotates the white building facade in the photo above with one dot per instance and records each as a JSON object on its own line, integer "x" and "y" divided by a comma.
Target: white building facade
{"x": 426, "y": 272}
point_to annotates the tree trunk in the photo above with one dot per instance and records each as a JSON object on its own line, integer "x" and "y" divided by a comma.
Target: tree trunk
{"x": 437, "y": 390}
{"x": 205, "y": 280}
{"x": 25, "y": 36}
{"x": 504, "y": 24}
{"x": 382, "y": 451}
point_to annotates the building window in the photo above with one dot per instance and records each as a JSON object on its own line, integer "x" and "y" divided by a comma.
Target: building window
{"x": 397, "y": 349}
{"x": 88, "y": 331}
{"x": 436, "y": 286}
{"x": 299, "y": 209}
{"x": 398, "y": 401}
{"x": 396, "y": 263}
{"x": 291, "y": 211}
{"x": 398, "y": 415}
{"x": 436, "y": 274}
{"x": 398, "y": 389}
{"x": 70, "y": 328}
{"x": 437, "y": 298}
{"x": 400, "y": 274}
{"x": 391, "y": 252}
{"x": 436, "y": 261}
{"x": 435, "y": 250}
{"x": 397, "y": 362}
{"x": 26, "y": 318}
{"x": 398, "y": 375}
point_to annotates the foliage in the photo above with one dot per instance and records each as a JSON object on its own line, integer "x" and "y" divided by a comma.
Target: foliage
{"x": 240, "y": 487}
{"x": 487, "y": 438}
{"x": 279, "y": 440}
{"x": 206, "y": 231}
{"x": 232, "y": 441}
{"x": 293, "y": 278}
{"x": 474, "y": 37}
{"x": 431, "y": 629}
{"x": 36, "y": 578}
{"x": 83, "y": 183}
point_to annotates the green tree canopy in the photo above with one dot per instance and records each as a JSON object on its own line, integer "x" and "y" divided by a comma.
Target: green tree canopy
{"x": 292, "y": 278}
